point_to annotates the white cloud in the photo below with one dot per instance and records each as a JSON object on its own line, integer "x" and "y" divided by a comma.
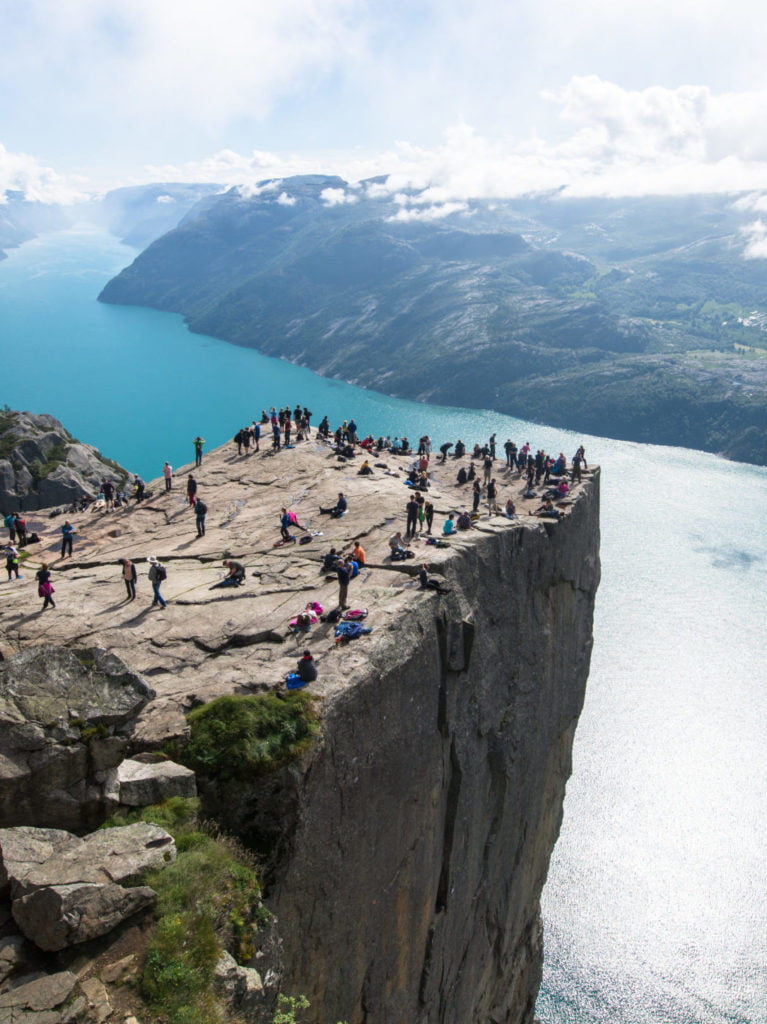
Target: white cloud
{"x": 756, "y": 247}
{"x": 22, "y": 172}
{"x": 337, "y": 197}
{"x": 428, "y": 213}
{"x": 285, "y": 200}
{"x": 165, "y": 199}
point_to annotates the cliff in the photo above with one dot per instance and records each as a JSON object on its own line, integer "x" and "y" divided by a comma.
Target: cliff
{"x": 407, "y": 849}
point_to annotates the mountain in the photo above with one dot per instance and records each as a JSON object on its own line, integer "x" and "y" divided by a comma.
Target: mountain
{"x": 141, "y": 213}
{"x": 636, "y": 318}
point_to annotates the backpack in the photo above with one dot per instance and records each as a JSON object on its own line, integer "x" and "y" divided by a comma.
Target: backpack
{"x": 200, "y": 508}
{"x": 356, "y": 615}
{"x": 161, "y": 573}
{"x": 464, "y": 521}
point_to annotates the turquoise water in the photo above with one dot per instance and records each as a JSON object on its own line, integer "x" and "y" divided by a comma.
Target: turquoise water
{"x": 655, "y": 904}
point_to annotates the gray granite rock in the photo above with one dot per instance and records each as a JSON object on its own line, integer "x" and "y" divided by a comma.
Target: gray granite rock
{"x": 63, "y": 915}
{"x": 144, "y": 784}
{"x": 65, "y": 719}
{"x": 45, "y": 993}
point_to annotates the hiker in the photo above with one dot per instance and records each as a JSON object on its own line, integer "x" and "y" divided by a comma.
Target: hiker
{"x": 108, "y": 490}
{"x": 306, "y": 672}
{"x": 547, "y": 510}
{"x": 167, "y": 472}
{"x": 428, "y": 513}
{"x": 200, "y": 511}
{"x": 157, "y": 575}
{"x": 460, "y": 449}
{"x": 344, "y": 574}
{"x": 429, "y": 584}
{"x": 129, "y": 576}
{"x": 10, "y": 523}
{"x": 285, "y": 527}
{"x": 45, "y": 588}
{"x": 198, "y": 443}
{"x": 448, "y": 526}
{"x": 67, "y": 532}
{"x": 576, "y": 470}
{"x": 20, "y": 524}
{"x": 462, "y": 477}
{"x": 365, "y": 469}
{"x": 412, "y": 517}
{"x": 444, "y": 449}
{"x": 511, "y": 509}
{"x": 12, "y": 561}
{"x": 358, "y": 553}
{"x": 139, "y": 488}
{"x": 491, "y": 496}
{"x": 236, "y": 575}
{"x": 256, "y": 430}
{"x": 338, "y": 509}
{"x": 476, "y": 494}
{"x": 329, "y": 561}
{"x": 191, "y": 489}
{"x": 397, "y": 546}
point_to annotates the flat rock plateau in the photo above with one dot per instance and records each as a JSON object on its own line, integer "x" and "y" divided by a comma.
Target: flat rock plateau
{"x": 208, "y": 642}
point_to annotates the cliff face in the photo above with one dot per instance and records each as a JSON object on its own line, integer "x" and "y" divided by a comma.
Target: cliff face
{"x": 419, "y": 831}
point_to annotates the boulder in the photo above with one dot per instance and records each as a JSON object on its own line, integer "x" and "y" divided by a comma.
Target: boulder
{"x": 58, "y": 916}
{"x": 65, "y": 721}
{"x": 23, "y": 848}
{"x": 112, "y": 855}
{"x": 44, "y": 993}
{"x": 143, "y": 784}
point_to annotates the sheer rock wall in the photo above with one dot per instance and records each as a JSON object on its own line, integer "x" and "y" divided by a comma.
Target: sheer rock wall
{"x": 416, "y": 837}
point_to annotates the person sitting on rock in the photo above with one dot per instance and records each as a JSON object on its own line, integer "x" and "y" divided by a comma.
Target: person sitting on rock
{"x": 547, "y": 510}
{"x": 236, "y": 575}
{"x": 306, "y": 672}
{"x": 365, "y": 469}
{"x": 449, "y": 525}
{"x": 462, "y": 476}
{"x": 338, "y": 509}
{"x": 397, "y": 547}
{"x": 511, "y": 509}
{"x": 429, "y": 584}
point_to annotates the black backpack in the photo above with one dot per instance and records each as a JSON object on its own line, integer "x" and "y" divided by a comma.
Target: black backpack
{"x": 200, "y": 508}
{"x": 161, "y": 573}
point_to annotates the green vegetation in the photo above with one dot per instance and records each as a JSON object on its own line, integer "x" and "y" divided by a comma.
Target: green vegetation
{"x": 209, "y": 894}
{"x": 238, "y": 737}
{"x": 288, "y": 1008}
{"x": 57, "y": 457}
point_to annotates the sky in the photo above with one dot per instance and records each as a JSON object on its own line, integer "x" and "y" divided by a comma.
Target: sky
{"x": 487, "y": 98}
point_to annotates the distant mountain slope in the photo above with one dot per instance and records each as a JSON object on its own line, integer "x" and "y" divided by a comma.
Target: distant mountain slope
{"x": 21, "y": 219}
{"x": 505, "y": 305}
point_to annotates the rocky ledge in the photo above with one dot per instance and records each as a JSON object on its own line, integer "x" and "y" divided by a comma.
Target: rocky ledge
{"x": 41, "y": 464}
{"x": 410, "y": 844}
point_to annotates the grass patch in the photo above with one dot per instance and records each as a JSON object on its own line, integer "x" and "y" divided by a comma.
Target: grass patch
{"x": 239, "y": 737}
{"x": 208, "y": 899}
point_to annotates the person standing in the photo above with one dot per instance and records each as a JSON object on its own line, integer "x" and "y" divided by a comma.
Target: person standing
{"x": 67, "y": 533}
{"x": 21, "y": 529}
{"x": 429, "y": 513}
{"x": 12, "y": 561}
{"x": 157, "y": 576}
{"x": 198, "y": 443}
{"x": 167, "y": 472}
{"x": 257, "y": 435}
{"x": 10, "y": 523}
{"x": 200, "y": 511}
{"x": 412, "y": 517}
{"x": 45, "y": 587}
{"x": 139, "y": 487}
{"x": 129, "y": 577}
{"x": 108, "y": 490}
{"x": 191, "y": 490}
{"x": 476, "y": 495}
{"x": 344, "y": 573}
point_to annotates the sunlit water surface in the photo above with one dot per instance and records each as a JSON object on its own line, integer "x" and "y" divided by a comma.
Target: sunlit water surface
{"x": 655, "y": 905}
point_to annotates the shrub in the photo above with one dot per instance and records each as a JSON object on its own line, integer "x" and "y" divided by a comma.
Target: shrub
{"x": 238, "y": 737}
